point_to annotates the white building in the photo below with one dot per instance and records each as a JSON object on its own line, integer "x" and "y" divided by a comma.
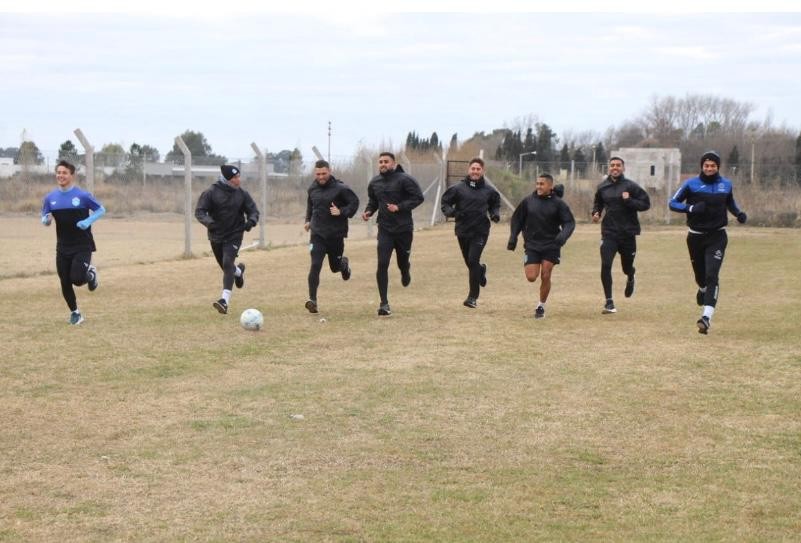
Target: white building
{"x": 652, "y": 168}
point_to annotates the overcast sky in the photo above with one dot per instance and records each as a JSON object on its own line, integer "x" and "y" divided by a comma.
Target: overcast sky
{"x": 278, "y": 78}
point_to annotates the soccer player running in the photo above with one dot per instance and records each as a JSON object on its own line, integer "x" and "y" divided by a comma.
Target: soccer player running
{"x": 329, "y": 205}
{"x": 705, "y": 199}
{"x": 473, "y": 203}
{"x": 227, "y": 211}
{"x": 74, "y": 211}
{"x": 546, "y": 223}
{"x": 393, "y": 194}
{"x": 619, "y": 199}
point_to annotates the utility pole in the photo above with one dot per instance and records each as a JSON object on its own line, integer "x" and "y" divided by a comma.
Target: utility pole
{"x": 329, "y": 141}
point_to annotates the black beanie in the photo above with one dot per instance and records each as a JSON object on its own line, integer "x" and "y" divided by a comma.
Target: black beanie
{"x": 710, "y": 155}
{"x": 229, "y": 171}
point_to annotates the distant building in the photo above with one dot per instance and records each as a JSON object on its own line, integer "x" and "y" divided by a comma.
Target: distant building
{"x": 651, "y": 167}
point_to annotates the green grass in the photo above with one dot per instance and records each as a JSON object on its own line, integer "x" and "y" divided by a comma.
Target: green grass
{"x": 159, "y": 419}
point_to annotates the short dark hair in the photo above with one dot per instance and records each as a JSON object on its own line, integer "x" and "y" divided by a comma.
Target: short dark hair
{"x": 67, "y": 164}
{"x": 476, "y": 160}
{"x": 387, "y": 153}
{"x": 322, "y": 164}
{"x": 547, "y": 176}
{"x": 617, "y": 158}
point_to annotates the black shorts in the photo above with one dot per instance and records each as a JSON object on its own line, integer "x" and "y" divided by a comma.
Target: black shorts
{"x": 536, "y": 257}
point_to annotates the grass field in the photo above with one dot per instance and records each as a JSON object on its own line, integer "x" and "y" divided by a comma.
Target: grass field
{"x": 160, "y": 420}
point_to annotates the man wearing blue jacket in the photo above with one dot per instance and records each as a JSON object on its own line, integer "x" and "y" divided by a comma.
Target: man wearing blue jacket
{"x": 227, "y": 211}
{"x": 74, "y": 211}
{"x": 705, "y": 199}
{"x": 546, "y": 223}
{"x": 329, "y": 205}
{"x": 619, "y": 199}
{"x": 473, "y": 203}
{"x": 393, "y": 194}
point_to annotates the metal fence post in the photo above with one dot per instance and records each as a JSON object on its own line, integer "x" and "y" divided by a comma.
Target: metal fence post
{"x": 187, "y": 195}
{"x": 90, "y": 159}
{"x": 263, "y": 185}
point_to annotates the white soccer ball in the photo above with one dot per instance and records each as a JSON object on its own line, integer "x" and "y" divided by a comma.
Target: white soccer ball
{"x": 251, "y": 319}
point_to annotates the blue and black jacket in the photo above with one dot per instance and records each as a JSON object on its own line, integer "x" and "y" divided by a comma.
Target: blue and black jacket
{"x": 705, "y": 201}
{"x": 68, "y": 208}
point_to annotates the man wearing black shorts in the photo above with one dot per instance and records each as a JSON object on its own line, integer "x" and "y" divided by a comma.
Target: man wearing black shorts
{"x": 705, "y": 199}
{"x": 329, "y": 205}
{"x": 619, "y": 199}
{"x": 70, "y": 207}
{"x": 227, "y": 211}
{"x": 473, "y": 203}
{"x": 546, "y": 223}
{"x": 393, "y": 194}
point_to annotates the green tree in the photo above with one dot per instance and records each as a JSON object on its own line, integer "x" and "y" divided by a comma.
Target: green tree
{"x": 67, "y": 151}
{"x": 433, "y": 142}
{"x": 564, "y": 157}
{"x": 200, "y": 149}
{"x": 112, "y": 155}
{"x": 798, "y": 159}
{"x": 546, "y": 139}
{"x": 29, "y": 154}
{"x": 454, "y": 145}
{"x": 733, "y": 161}
{"x": 600, "y": 153}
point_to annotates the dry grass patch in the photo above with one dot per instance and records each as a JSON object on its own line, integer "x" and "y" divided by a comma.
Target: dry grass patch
{"x": 159, "y": 419}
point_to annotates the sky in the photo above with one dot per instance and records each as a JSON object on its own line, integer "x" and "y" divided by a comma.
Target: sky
{"x": 242, "y": 74}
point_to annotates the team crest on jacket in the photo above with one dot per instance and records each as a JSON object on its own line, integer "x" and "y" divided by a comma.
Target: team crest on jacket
{"x": 721, "y": 187}
{"x": 76, "y": 202}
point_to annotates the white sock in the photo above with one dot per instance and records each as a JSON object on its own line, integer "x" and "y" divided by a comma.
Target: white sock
{"x": 226, "y": 295}
{"x": 541, "y": 304}
{"x": 709, "y": 311}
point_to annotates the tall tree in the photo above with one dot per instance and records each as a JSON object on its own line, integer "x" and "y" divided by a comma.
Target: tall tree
{"x": 797, "y": 160}
{"x": 111, "y": 154}
{"x": 29, "y": 154}
{"x": 733, "y": 161}
{"x": 200, "y": 149}
{"x": 564, "y": 157}
{"x": 454, "y": 145}
{"x": 67, "y": 151}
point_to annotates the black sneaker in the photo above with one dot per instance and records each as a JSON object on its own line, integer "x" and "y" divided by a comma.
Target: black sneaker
{"x": 539, "y": 313}
{"x": 703, "y": 325}
{"x": 93, "y": 281}
{"x": 472, "y": 303}
{"x": 699, "y": 297}
{"x": 221, "y": 305}
{"x": 629, "y": 287}
{"x": 406, "y": 278}
{"x": 609, "y": 307}
{"x": 344, "y": 266}
{"x": 76, "y": 318}
{"x": 384, "y": 310}
{"x": 240, "y": 280}
{"x": 311, "y": 305}
{"x": 483, "y": 280}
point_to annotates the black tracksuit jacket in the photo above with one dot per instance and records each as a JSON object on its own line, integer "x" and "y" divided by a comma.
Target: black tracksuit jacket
{"x": 318, "y": 204}
{"x": 620, "y": 219}
{"x": 546, "y": 222}
{"x": 395, "y": 187}
{"x": 473, "y": 204}
{"x": 224, "y": 210}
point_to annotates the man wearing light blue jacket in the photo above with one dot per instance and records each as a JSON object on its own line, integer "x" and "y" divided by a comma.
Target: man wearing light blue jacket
{"x": 74, "y": 211}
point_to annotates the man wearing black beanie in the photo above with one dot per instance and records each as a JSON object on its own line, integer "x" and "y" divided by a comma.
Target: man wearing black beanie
{"x": 227, "y": 211}
{"x": 705, "y": 199}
